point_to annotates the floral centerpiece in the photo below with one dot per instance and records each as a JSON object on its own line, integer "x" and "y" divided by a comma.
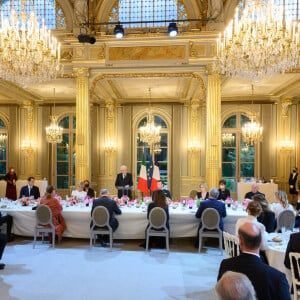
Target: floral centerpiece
{"x": 245, "y": 203}
{"x": 235, "y": 205}
{"x": 72, "y": 201}
{"x": 191, "y": 203}
{"x": 87, "y": 200}
{"x": 175, "y": 204}
{"x": 24, "y": 201}
{"x": 147, "y": 200}
{"x": 228, "y": 201}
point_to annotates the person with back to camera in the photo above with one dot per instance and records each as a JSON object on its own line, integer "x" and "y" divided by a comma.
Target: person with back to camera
{"x": 294, "y": 185}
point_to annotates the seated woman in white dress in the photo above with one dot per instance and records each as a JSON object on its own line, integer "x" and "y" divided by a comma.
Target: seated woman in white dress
{"x": 281, "y": 203}
{"x": 79, "y": 193}
{"x": 254, "y": 209}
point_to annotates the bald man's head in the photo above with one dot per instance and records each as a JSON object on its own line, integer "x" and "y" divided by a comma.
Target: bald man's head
{"x": 250, "y": 237}
{"x": 254, "y": 187}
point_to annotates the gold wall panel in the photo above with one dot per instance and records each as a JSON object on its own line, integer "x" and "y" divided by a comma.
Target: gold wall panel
{"x": 139, "y": 53}
{"x": 97, "y": 52}
{"x": 197, "y": 50}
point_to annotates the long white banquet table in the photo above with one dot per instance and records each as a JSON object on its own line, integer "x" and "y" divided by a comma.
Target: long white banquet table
{"x": 132, "y": 221}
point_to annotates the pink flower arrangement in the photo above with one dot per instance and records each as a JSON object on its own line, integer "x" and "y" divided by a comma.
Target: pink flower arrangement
{"x": 191, "y": 202}
{"x": 147, "y": 200}
{"x": 87, "y": 200}
{"x": 235, "y": 205}
{"x": 228, "y": 201}
{"x": 245, "y": 203}
{"x": 24, "y": 201}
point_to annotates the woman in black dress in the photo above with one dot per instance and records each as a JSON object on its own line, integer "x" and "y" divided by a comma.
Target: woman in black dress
{"x": 11, "y": 190}
{"x": 223, "y": 192}
{"x": 294, "y": 186}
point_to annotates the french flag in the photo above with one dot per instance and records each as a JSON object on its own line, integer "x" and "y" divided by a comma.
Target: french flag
{"x": 143, "y": 183}
{"x": 155, "y": 178}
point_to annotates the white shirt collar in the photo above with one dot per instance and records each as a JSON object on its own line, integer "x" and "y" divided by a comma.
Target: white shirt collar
{"x": 252, "y": 253}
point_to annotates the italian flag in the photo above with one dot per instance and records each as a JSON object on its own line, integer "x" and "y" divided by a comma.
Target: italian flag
{"x": 143, "y": 183}
{"x": 155, "y": 178}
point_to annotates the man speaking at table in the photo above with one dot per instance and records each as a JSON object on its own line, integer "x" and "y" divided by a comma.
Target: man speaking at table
{"x": 124, "y": 183}
{"x": 30, "y": 189}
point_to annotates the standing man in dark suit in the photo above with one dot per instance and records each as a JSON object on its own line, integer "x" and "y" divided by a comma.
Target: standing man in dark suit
{"x": 160, "y": 186}
{"x": 124, "y": 183}
{"x": 112, "y": 207}
{"x": 269, "y": 283}
{"x": 30, "y": 189}
{"x": 254, "y": 191}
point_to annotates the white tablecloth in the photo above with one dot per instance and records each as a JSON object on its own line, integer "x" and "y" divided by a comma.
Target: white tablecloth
{"x": 268, "y": 189}
{"x": 276, "y": 255}
{"x": 42, "y": 185}
{"x": 132, "y": 222}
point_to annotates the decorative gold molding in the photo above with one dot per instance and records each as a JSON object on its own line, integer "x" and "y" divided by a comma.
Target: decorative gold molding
{"x": 81, "y": 72}
{"x": 285, "y": 103}
{"x": 97, "y": 53}
{"x": 67, "y": 54}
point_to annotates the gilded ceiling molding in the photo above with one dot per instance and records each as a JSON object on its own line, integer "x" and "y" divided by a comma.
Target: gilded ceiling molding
{"x": 100, "y": 77}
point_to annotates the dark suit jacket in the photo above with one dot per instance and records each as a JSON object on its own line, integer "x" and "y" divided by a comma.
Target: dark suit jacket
{"x": 293, "y": 246}
{"x": 268, "y": 219}
{"x": 223, "y": 195}
{"x": 35, "y": 192}
{"x": 152, "y": 205}
{"x": 269, "y": 283}
{"x": 199, "y": 195}
{"x": 166, "y": 192}
{"x": 212, "y": 203}
{"x": 112, "y": 207}
{"x": 123, "y": 182}
{"x": 249, "y": 195}
{"x": 293, "y": 182}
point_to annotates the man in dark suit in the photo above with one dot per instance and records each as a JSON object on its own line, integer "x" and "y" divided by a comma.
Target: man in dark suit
{"x": 160, "y": 186}
{"x": 3, "y": 241}
{"x": 254, "y": 191}
{"x": 9, "y": 222}
{"x": 124, "y": 183}
{"x": 112, "y": 207}
{"x": 269, "y": 283}
{"x": 30, "y": 189}
{"x": 293, "y": 246}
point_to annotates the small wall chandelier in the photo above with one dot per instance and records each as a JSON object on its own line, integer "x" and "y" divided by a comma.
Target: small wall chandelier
{"x": 54, "y": 132}
{"x": 261, "y": 42}
{"x": 28, "y": 54}
{"x": 150, "y": 133}
{"x": 252, "y": 131}
{"x": 286, "y": 145}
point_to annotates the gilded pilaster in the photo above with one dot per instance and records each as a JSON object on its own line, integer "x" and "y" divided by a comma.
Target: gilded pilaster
{"x": 83, "y": 127}
{"x": 213, "y": 128}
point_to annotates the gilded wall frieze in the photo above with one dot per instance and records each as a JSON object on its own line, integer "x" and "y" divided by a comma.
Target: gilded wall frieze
{"x": 66, "y": 54}
{"x": 97, "y": 53}
{"x": 197, "y": 50}
{"x": 79, "y": 53}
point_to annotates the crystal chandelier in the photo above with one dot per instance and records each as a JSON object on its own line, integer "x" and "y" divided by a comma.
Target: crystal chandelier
{"x": 252, "y": 131}
{"x": 261, "y": 42}
{"x": 156, "y": 148}
{"x": 228, "y": 138}
{"x": 3, "y": 137}
{"x": 54, "y": 132}
{"x": 28, "y": 54}
{"x": 150, "y": 133}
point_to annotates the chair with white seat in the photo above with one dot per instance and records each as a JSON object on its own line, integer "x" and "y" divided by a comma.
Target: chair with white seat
{"x": 100, "y": 221}
{"x": 157, "y": 225}
{"x": 210, "y": 220}
{"x": 44, "y": 223}
{"x": 295, "y": 268}
{"x": 232, "y": 245}
{"x": 285, "y": 219}
{"x": 193, "y": 194}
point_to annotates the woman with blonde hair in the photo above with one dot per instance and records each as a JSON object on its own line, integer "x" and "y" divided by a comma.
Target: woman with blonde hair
{"x": 203, "y": 194}
{"x": 281, "y": 203}
{"x": 56, "y": 208}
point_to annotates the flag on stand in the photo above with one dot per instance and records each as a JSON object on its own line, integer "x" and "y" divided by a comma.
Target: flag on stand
{"x": 155, "y": 178}
{"x": 143, "y": 184}
{"x": 150, "y": 171}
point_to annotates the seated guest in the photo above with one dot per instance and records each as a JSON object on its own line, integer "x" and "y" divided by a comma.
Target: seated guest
{"x": 159, "y": 201}
{"x": 79, "y": 193}
{"x": 9, "y": 222}
{"x": 254, "y": 209}
{"x": 235, "y": 286}
{"x": 203, "y": 194}
{"x": 267, "y": 217}
{"x": 211, "y": 202}
{"x": 3, "y": 241}
{"x": 281, "y": 203}
{"x": 223, "y": 192}
{"x": 30, "y": 190}
{"x": 254, "y": 191}
{"x": 57, "y": 219}
{"x": 160, "y": 186}
{"x": 112, "y": 207}
{"x": 293, "y": 246}
{"x": 89, "y": 191}
{"x": 269, "y": 283}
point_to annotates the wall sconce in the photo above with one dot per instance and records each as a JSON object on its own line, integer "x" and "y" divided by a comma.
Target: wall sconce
{"x": 110, "y": 147}
{"x": 286, "y": 145}
{"x": 194, "y": 146}
{"x": 28, "y": 146}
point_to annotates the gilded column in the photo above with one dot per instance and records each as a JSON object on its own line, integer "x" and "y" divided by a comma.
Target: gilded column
{"x": 83, "y": 126}
{"x": 213, "y": 127}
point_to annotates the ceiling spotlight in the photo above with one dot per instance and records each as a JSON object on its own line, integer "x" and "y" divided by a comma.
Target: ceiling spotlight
{"x": 172, "y": 29}
{"x": 119, "y": 31}
{"x": 85, "y": 38}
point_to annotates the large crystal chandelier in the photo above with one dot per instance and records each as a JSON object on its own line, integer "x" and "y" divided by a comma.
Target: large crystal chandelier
{"x": 54, "y": 132}
{"x": 260, "y": 42}
{"x": 252, "y": 131}
{"x": 28, "y": 54}
{"x": 150, "y": 133}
